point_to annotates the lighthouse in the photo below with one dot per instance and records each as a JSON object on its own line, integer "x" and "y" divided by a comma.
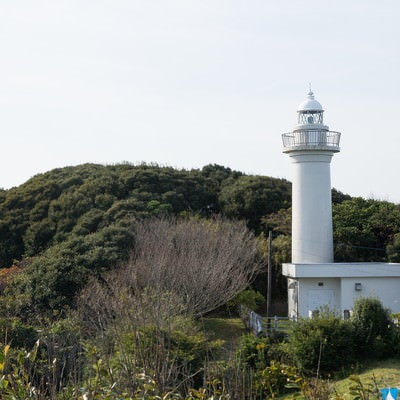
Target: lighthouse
{"x": 315, "y": 282}
{"x": 310, "y": 147}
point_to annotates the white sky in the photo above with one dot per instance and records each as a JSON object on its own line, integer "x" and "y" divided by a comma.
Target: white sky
{"x": 186, "y": 83}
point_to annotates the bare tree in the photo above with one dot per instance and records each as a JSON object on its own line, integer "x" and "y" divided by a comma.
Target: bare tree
{"x": 205, "y": 262}
{"x": 177, "y": 268}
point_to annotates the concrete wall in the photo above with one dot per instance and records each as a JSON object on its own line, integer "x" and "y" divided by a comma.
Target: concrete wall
{"x": 316, "y": 293}
{"x": 292, "y": 298}
{"x": 339, "y": 294}
{"x": 387, "y": 290}
{"x": 334, "y": 284}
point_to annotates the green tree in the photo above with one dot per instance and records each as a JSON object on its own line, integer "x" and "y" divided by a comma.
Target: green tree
{"x": 393, "y": 249}
{"x": 363, "y": 229}
{"x": 253, "y": 197}
{"x": 51, "y": 281}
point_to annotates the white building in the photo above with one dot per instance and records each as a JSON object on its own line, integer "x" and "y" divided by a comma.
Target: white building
{"x": 314, "y": 280}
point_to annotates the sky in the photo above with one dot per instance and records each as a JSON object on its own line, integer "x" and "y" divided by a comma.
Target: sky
{"x": 186, "y": 83}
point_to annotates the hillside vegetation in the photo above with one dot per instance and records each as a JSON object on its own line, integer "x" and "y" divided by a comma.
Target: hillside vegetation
{"x": 77, "y": 201}
{"x": 71, "y": 223}
{"x": 61, "y": 227}
{"x": 107, "y": 269}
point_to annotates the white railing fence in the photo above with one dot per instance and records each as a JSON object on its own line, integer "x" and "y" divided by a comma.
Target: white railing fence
{"x": 262, "y": 326}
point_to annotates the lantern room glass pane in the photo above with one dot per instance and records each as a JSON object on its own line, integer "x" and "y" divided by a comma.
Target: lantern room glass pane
{"x": 310, "y": 117}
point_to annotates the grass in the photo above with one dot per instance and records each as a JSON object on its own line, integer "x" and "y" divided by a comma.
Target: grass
{"x": 386, "y": 373}
{"x": 227, "y": 329}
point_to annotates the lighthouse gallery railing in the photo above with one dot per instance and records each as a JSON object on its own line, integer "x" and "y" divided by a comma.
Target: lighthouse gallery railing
{"x": 311, "y": 138}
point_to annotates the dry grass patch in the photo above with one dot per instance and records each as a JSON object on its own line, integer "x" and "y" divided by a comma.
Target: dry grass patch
{"x": 227, "y": 329}
{"x": 386, "y": 373}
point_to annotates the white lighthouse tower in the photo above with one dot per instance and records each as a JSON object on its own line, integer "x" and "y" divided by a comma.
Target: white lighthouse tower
{"x": 311, "y": 146}
{"x": 314, "y": 280}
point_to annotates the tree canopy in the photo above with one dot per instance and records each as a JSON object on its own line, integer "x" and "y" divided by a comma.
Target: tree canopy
{"x": 74, "y": 222}
{"x": 66, "y": 225}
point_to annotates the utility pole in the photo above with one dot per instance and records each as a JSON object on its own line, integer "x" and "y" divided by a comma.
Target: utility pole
{"x": 269, "y": 277}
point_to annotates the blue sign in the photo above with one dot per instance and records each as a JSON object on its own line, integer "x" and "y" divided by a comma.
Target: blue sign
{"x": 389, "y": 394}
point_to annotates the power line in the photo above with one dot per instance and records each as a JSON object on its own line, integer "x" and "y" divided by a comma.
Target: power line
{"x": 361, "y": 247}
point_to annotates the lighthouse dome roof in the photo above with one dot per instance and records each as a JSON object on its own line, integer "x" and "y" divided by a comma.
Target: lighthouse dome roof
{"x": 310, "y": 104}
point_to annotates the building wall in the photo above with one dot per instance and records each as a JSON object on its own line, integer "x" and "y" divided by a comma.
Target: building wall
{"x": 387, "y": 290}
{"x": 334, "y": 284}
{"x": 317, "y": 293}
{"x": 292, "y": 298}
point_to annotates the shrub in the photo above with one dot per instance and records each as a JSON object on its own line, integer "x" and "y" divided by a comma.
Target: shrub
{"x": 248, "y": 298}
{"x": 146, "y": 331}
{"x": 61, "y": 355}
{"x": 273, "y": 380}
{"x": 260, "y": 362}
{"x": 158, "y": 350}
{"x": 394, "y": 343}
{"x": 372, "y": 326}
{"x": 20, "y": 335}
{"x": 322, "y": 345}
{"x": 253, "y": 352}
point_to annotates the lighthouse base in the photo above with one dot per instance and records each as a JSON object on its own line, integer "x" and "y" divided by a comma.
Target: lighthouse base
{"x": 313, "y": 288}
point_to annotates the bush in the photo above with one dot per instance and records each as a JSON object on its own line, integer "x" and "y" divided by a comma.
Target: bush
{"x": 373, "y": 328}
{"x": 256, "y": 372}
{"x": 322, "y": 345}
{"x": 253, "y": 352}
{"x": 248, "y": 298}
{"x": 61, "y": 353}
{"x": 273, "y": 380}
{"x": 394, "y": 344}
{"x": 20, "y": 335}
{"x": 232, "y": 379}
{"x": 144, "y": 331}
{"x": 169, "y": 355}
